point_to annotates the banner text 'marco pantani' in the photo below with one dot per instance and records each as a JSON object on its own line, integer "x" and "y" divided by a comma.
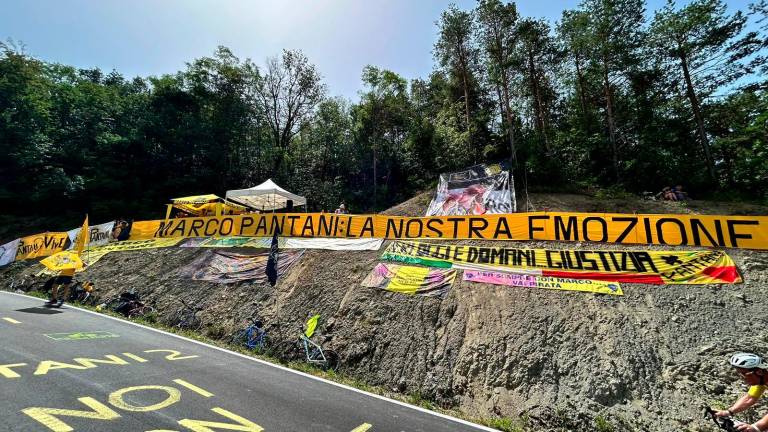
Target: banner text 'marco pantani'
{"x": 749, "y": 232}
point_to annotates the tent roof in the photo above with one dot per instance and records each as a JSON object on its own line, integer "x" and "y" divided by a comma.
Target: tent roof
{"x": 266, "y": 196}
{"x": 196, "y": 199}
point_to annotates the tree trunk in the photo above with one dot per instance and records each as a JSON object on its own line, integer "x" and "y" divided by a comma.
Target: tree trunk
{"x": 609, "y": 117}
{"x": 538, "y": 106}
{"x": 582, "y": 93}
{"x": 507, "y": 111}
{"x": 699, "y": 118}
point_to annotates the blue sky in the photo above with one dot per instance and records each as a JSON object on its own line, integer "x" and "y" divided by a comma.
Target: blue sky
{"x": 143, "y": 37}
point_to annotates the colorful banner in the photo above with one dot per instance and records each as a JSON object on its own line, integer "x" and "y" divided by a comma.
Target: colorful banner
{"x": 99, "y": 235}
{"x": 131, "y": 245}
{"x": 547, "y": 282}
{"x": 652, "y": 267}
{"x": 225, "y": 242}
{"x": 750, "y": 232}
{"x": 8, "y": 252}
{"x": 333, "y": 244}
{"x": 477, "y": 190}
{"x": 41, "y": 245}
{"x": 423, "y": 281}
{"x": 286, "y": 243}
{"x": 226, "y": 267}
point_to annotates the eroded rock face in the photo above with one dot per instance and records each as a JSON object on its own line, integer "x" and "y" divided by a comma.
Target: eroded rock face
{"x": 646, "y": 361}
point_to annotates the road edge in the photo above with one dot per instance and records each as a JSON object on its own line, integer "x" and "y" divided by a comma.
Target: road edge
{"x": 287, "y": 369}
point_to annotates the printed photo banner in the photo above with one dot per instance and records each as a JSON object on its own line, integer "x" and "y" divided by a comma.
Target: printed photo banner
{"x": 477, "y": 190}
{"x": 98, "y": 234}
{"x": 652, "y": 267}
{"x": 41, "y": 245}
{"x": 227, "y": 267}
{"x": 422, "y": 281}
{"x": 546, "y": 282}
{"x": 749, "y": 232}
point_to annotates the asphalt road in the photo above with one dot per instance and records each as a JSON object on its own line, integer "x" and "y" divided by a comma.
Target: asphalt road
{"x": 73, "y": 370}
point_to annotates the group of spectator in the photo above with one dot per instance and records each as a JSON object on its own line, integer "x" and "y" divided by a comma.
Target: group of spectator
{"x": 675, "y": 193}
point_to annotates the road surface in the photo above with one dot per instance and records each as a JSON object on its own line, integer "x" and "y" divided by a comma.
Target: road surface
{"x": 74, "y": 370}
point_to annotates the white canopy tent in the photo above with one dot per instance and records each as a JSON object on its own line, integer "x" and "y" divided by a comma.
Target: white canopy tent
{"x": 266, "y": 196}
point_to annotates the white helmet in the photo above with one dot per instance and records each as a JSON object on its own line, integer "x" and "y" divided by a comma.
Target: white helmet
{"x": 746, "y": 361}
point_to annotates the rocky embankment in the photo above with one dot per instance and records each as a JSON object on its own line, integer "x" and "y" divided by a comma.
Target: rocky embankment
{"x": 559, "y": 360}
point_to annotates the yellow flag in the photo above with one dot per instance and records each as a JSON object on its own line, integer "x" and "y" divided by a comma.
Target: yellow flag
{"x": 82, "y": 238}
{"x": 311, "y": 326}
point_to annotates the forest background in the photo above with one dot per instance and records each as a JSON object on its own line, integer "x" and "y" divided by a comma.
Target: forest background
{"x": 610, "y": 99}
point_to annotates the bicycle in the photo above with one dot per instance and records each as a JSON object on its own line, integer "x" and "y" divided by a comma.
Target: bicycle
{"x": 725, "y": 423}
{"x": 314, "y": 354}
{"x": 186, "y": 317}
{"x": 127, "y": 304}
{"x": 253, "y": 337}
{"x": 81, "y": 292}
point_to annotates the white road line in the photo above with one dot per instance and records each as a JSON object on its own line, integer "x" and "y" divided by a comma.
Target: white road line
{"x": 11, "y": 320}
{"x": 266, "y": 363}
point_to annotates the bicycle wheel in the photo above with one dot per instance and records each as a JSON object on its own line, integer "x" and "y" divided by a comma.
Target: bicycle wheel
{"x": 240, "y": 338}
{"x": 257, "y": 341}
{"x": 189, "y": 321}
{"x": 289, "y": 351}
{"x": 331, "y": 360}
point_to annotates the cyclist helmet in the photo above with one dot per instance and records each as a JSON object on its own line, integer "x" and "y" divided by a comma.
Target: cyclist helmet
{"x": 746, "y": 361}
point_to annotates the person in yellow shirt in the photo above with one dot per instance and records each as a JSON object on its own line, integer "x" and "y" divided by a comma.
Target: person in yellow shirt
{"x": 62, "y": 281}
{"x": 752, "y": 370}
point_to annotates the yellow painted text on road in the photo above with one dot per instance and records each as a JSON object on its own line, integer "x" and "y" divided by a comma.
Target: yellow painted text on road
{"x": 14, "y": 370}
{"x": 52, "y": 417}
{"x": 116, "y": 398}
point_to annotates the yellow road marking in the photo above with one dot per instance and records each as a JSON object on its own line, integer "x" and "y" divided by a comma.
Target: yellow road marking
{"x": 116, "y": 398}
{"x": 193, "y": 387}
{"x": 135, "y": 357}
{"x": 11, "y": 320}
{"x": 362, "y": 428}
{"x": 47, "y": 416}
{"x": 244, "y": 425}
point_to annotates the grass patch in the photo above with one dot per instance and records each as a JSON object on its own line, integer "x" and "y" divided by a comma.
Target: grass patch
{"x": 603, "y": 425}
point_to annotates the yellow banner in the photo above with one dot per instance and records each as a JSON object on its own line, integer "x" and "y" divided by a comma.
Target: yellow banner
{"x": 546, "y": 282}
{"x": 41, "y": 245}
{"x": 750, "y": 232}
{"x": 130, "y": 245}
{"x": 653, "y": 267}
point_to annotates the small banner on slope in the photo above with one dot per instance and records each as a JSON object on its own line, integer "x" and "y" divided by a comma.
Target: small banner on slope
{"x": 651, "y": 267}
{"x": 428, "y": 282}
{"x": 547, "y": 282}
{"x": 226, "y": 267}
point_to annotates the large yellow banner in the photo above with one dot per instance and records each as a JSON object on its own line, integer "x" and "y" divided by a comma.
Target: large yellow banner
{"x": 41, "y": 245}
{"x": 652, "y": 267}
{"x": 750, "y": 232}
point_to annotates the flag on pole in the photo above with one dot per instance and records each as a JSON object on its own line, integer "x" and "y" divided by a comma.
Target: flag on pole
{"x": 272, "y": 261}
{"x": 81, "y": 242}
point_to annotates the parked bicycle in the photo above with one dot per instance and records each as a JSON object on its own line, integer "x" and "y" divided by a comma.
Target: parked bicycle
{"x": 82, "y": 292}
{"x": 253, "y": 337}
{"x": 127, "y": 304}
{"x": 303, "y": 348}
{"x": 186, "y": 317}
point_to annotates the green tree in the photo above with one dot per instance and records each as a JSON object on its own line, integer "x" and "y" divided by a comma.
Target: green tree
{"x": 710, "y": 51}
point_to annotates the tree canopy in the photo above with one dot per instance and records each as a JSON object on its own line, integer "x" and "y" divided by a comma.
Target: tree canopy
{"x": 606, "y": 97}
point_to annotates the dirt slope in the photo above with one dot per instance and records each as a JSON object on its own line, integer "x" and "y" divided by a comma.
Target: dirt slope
{"x": 562, "y": 361}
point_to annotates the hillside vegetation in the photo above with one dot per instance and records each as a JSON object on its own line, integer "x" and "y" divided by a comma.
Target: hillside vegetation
{"x": 551, "y": 360}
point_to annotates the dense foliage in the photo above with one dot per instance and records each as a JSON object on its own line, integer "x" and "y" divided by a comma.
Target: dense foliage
{"x": 604, "y": 97}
